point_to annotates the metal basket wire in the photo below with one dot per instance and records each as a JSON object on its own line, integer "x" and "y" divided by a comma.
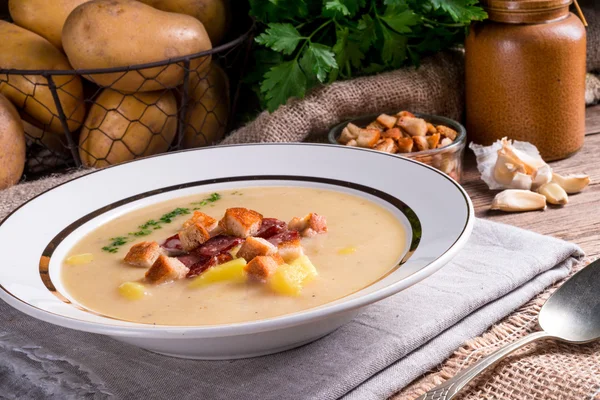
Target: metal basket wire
{"x": 96, "y": 123}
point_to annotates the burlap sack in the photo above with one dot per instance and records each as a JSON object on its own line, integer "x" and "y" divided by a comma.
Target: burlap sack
{"x": 435, "y": 87}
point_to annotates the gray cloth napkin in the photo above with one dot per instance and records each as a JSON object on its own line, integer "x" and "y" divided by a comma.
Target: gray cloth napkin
{"x": 382, "y": 350}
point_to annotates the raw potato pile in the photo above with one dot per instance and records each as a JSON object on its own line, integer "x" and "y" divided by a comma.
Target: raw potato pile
{"x": 530, "y": 183}
{"x": 136, "y": 114}
{"x": 402, "y": 133}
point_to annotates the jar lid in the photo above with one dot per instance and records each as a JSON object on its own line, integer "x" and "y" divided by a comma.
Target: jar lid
{"x": 526, "y": 11}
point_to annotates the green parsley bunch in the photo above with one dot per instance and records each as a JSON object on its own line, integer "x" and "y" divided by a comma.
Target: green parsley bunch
{"x": 304, "y": 43}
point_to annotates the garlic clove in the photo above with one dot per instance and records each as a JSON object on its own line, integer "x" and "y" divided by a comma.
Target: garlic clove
{"x": 554, "y": 193}
{"x": 521, "y": 181}
{"x": 571, "y": 183}
{"x": 506, "y": 168}
{"x": 531, "y": 163}
{"x": 541, "y": 176}
{"x": 518, "y": 200}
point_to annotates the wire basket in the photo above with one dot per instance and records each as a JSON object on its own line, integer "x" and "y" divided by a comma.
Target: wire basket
{"x": 100, "y": 117}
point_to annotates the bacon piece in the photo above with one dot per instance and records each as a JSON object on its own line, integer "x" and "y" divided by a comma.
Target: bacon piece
{"x": 191, "y": 259}
{"x": 173, "y": 245}
{"x": 271, "y": 227}
{"x": 218, "y": 244}
{"x": 207, "y": 262}
{"x": 285, "y": 236}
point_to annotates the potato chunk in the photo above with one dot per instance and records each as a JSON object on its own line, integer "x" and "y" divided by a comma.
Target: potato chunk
{"x": 132, "y": 290}
{"x": 231, "y": 271}
{"x": 289, "y": 279}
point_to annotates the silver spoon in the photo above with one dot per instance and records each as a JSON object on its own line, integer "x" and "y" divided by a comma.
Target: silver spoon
{"x": 571, "y": 314}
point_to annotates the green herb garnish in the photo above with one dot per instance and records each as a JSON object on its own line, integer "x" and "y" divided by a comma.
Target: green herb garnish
{"x": 168, "y": 218}
{"x": 304, "y": 43}
{"x": 146, "y": 228}
{"x": 213, "y": 197}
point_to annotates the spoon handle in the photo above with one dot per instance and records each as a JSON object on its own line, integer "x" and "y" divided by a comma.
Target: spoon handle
{"x": 451, "y": 387}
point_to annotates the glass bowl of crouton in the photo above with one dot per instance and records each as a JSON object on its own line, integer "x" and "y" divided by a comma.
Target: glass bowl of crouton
{"x": 430, "y": 139}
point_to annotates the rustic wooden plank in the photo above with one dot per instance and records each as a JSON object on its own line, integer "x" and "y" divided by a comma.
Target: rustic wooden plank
{"x": 592, "y": 120}
{"x": 578, "y": 221}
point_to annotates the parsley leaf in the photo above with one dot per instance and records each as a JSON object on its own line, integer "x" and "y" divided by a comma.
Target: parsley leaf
{"x": 282, "y": 82}
{"x": 460, "y": 10}
{"x": 320, "y": 59}
{"x": 400, "y": 21}
{"x": 280, "y": 37}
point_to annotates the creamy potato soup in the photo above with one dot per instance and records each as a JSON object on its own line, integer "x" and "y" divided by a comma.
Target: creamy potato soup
{"x": 354, "y": 243}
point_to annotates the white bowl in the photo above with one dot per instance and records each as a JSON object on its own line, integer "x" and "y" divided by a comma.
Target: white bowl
{"x": 40, "y": 232}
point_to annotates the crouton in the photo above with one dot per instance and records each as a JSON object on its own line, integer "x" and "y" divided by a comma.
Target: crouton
{"x": 394, "y": 133}
{"x": 368, "y": 138}
{"x": 208, "y": 222}
{"x": 241, "y": 222}
{"x": 262, "y": 267}
{"x": 405, "y": 145}
{"x": 421, "y": 143}
{"x": 431, "y": 129}
{"x": 346, "y": 136}
{"x": 353, "y": 129}
{"x": 447, "y": 132}
{"x": 445, "y": 142}
{"x": 166, "y": 269}
{"x": 352, "y": 143}
{"x": 311, "y": 225}
{"x": 414, "y": 126}
{"x": 433, "y": 140}
{"x": 387, "y": 146}
{"x": 376, "y": 125}
{"x": 291, "y": 249}
{"x": 193, "y": 236}
{"x": 387, "y": 120}
{"x": 143, "y": 254}
{"x": 405, "y": 114}
{"x": 255, "y": 247}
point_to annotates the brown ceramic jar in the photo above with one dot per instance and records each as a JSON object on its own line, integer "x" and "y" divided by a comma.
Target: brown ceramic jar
{"x": 525, "y": 76}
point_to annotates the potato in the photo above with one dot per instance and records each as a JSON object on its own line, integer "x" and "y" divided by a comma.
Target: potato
{"x": 122, "y": 127}
{"x": 214, "y": 14}
{"x": 21, "y": 49}
{"x": 46, "y": 18}
{"x": 119, "y": 33}
{"x": 208, "y": 110}
{"x": 12, "y": 144}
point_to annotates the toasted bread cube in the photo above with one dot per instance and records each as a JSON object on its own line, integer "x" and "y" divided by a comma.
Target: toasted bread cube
{"x": 166, "y": 269}
{"x": 394, "y": 133}
{"x": 421, "y": 143}
{"x": 193, "y": 236}
{"x": 241, "y": 222}
{"x": 433, "y": 140}
{"x": 387, "y": 146}
{"x": 255, "y": 247}
{"x": 387, "y": 120}
{"x": 346, "y": 136}
{"x": 368, "y": 138}
{"x": 143, "y": 254}
{"x": 414, "y": 126}
{"x": 405, "y": 114}
{"x": 352, "y": 143}
{"x": 405, "y": 145}
{"x": 290, "y": 249}
{"x": 310, "y": 225}
{"x": 208, "y": 222}
{"x": 353, "y": 129}
{"x": 431, "y": 129}
{"x": 447, "y": 132}
{"x": 262, "y": 267}
{"x": 445, "y": 142}
{"x": 376, "y": 125}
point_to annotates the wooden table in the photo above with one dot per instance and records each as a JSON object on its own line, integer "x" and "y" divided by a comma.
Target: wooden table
{"x": 578, "y": 221}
